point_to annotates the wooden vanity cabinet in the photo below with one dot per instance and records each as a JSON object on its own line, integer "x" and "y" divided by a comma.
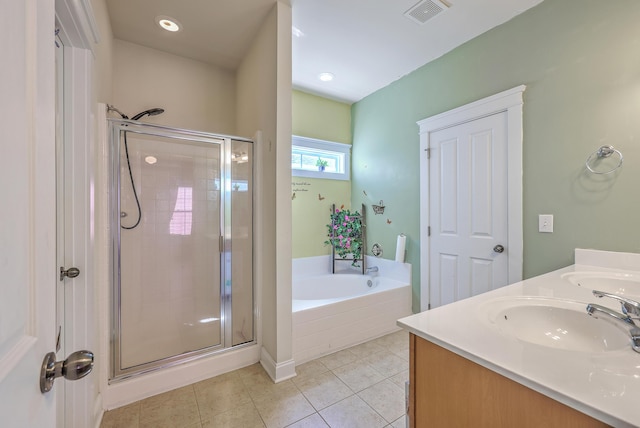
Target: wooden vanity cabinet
{"x": 447, "y": 390}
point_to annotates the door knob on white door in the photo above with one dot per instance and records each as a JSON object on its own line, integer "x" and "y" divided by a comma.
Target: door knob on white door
{"x": 498, "y": 248}
{"x": 76, "y": 366}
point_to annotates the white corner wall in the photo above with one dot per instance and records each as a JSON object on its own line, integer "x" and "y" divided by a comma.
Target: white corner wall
{"x": 264, "y": 104}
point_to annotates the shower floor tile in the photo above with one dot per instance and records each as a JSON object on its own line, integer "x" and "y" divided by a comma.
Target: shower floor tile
{"x": 358, "y": 386}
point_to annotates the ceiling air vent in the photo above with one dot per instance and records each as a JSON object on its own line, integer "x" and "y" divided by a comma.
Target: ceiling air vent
{"x": 425, "y": 10}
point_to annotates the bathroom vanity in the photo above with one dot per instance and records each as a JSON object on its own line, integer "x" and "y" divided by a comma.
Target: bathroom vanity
{"x": 528, "y": 354}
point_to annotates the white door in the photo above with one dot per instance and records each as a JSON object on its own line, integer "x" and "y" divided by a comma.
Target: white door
{"x": 28, "y": 228}
{"x": 468, "y": 209}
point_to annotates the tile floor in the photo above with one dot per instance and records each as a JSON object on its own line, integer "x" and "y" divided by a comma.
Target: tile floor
{"x": 362, "y": 386}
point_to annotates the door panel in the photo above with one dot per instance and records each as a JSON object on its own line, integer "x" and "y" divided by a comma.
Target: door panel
{"x": 27, "y": 234}
{"x": 468, "y": 213}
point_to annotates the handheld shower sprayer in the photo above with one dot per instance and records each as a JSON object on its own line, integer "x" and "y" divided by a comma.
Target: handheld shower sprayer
{"x": 150, "y": 112}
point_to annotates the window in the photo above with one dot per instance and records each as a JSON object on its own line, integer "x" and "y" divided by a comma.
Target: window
{"x": 307, "y": 153}
{"x": 181, "y": 219}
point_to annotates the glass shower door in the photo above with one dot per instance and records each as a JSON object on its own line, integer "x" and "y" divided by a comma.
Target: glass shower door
{"x": 170, "y": 255}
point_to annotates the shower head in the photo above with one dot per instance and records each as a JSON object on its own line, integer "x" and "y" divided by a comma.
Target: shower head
{"x": 150, "y": 112}
{"x": 111, "y": 108}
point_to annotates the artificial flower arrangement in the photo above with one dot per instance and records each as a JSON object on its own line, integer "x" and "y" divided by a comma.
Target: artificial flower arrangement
{"x": 345, "y": 234}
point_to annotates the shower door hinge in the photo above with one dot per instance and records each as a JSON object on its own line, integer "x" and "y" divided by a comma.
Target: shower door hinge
{"x": 428, "y": 230}
{"x": 221, "y": 244}
{"x": 428, "y": 153}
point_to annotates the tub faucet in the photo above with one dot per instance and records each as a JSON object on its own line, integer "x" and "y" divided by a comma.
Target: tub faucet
{"x": 372, "y": 269}
{"x": 617, "y": 318}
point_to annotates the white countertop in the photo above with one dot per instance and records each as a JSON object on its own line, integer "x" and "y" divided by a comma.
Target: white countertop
{"x": 604, "y": 385}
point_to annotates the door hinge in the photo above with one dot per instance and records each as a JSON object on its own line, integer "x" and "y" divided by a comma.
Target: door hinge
{"x": 428, "y": 230}
{"x": 221, "y": 244}
{"x": 428, "y": 153}
{"x": 428, "y": 306}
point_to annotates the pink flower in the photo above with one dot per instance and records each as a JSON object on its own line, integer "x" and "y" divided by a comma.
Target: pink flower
{"x": 346, "y": 217}
{"x": 348, "y": 244}
{"x": 344, "y": 224}
{"x": 340, "y": 237}
{"x": 335, "y": 227}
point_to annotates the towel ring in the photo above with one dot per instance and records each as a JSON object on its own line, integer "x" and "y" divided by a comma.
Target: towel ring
{"x": 603, "y": 152}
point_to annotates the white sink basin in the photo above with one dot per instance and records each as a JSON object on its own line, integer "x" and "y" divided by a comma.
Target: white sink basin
{"x": 622, "y": 284}
{"x": 554, "y": 323}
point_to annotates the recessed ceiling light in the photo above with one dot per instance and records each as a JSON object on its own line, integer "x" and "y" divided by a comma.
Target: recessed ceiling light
{"x": 168, "y": 23}
{"x": 326, "y": 77}
{"x": 151, "y": 160}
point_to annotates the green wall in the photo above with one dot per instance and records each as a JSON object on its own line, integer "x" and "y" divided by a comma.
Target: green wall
{"x": 324, "y": 119}
{"x": 580, "y": 61}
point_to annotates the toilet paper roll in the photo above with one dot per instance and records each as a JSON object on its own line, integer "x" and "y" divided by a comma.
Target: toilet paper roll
{"x": 400, "y": 248}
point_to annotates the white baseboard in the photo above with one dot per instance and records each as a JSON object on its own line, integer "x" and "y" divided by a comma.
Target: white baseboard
{"x": 277, "y": 371}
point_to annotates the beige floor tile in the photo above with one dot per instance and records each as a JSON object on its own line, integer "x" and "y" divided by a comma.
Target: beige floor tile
{"x": 313, "y": 421}
{"x": 358, "y": 375}
{"x": 323, "y": 390}
{"x": 260, "y": 385}
{"x": 280, "y": 410}
{"x": 337, "y": 359}
{"x": 310, "y": 369}
{"x": 404, "y": 354}
{"x": 123, "y": 417}
{"x": 401, "y": 422}
{"x": 386, "y": 399}
{"x": 244, "y": 416}
{"x": 352, "y": 412}
{"x": 387, "y": 363}
{"x": 365, "y": 349}
{"x": 398, "y": 340}
{"x": 177, "y": 408}
{"x": 249, "y": 370}
{"x": 220, "y": 394}
{"x": 400, "y": 378}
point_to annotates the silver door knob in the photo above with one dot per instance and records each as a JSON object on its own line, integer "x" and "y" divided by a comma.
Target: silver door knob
{"x": 498, "y": 248}
{"x": 69, "y": 273}
{"x": 76, "y": 366}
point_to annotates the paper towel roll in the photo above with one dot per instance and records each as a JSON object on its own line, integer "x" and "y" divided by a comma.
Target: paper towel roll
{"x": 400, "y": 248}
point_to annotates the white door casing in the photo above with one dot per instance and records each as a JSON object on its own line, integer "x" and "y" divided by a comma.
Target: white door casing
{"x": 74, "y": 20}
{"x": 28, "y": 230}
{"x": 467, "y": 215}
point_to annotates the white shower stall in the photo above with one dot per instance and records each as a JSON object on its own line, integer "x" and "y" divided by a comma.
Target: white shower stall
{"x": 181, "y": 205}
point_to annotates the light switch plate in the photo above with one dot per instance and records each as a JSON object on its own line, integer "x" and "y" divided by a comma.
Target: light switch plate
{"x": 545, "y": 223}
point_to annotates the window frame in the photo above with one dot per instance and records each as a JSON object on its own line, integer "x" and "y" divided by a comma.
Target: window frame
{"x": 325, "y": 146}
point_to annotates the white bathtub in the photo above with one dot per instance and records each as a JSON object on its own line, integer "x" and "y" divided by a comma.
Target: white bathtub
{"x": 335, "y": 311}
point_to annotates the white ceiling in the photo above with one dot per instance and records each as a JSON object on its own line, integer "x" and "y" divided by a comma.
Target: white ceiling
{"x": 366, "y": 44}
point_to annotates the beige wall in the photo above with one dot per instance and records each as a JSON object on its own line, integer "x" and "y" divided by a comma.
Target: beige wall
{"x": 324, "y": 119}
{"x": 195, "y": 95}
{"x": 264, "y": 104}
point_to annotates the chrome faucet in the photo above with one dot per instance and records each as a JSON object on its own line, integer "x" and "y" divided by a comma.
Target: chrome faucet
{"x": 372, "y": 269}
{"x": 629, "y": 307}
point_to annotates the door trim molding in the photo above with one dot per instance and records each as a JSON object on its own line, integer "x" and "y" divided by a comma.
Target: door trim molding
{"x": 511, "y": 102}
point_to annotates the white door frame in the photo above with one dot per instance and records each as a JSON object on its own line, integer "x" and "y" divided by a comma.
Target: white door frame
{"x": 78, "y": 29}
{"x": 509, "y": 101}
